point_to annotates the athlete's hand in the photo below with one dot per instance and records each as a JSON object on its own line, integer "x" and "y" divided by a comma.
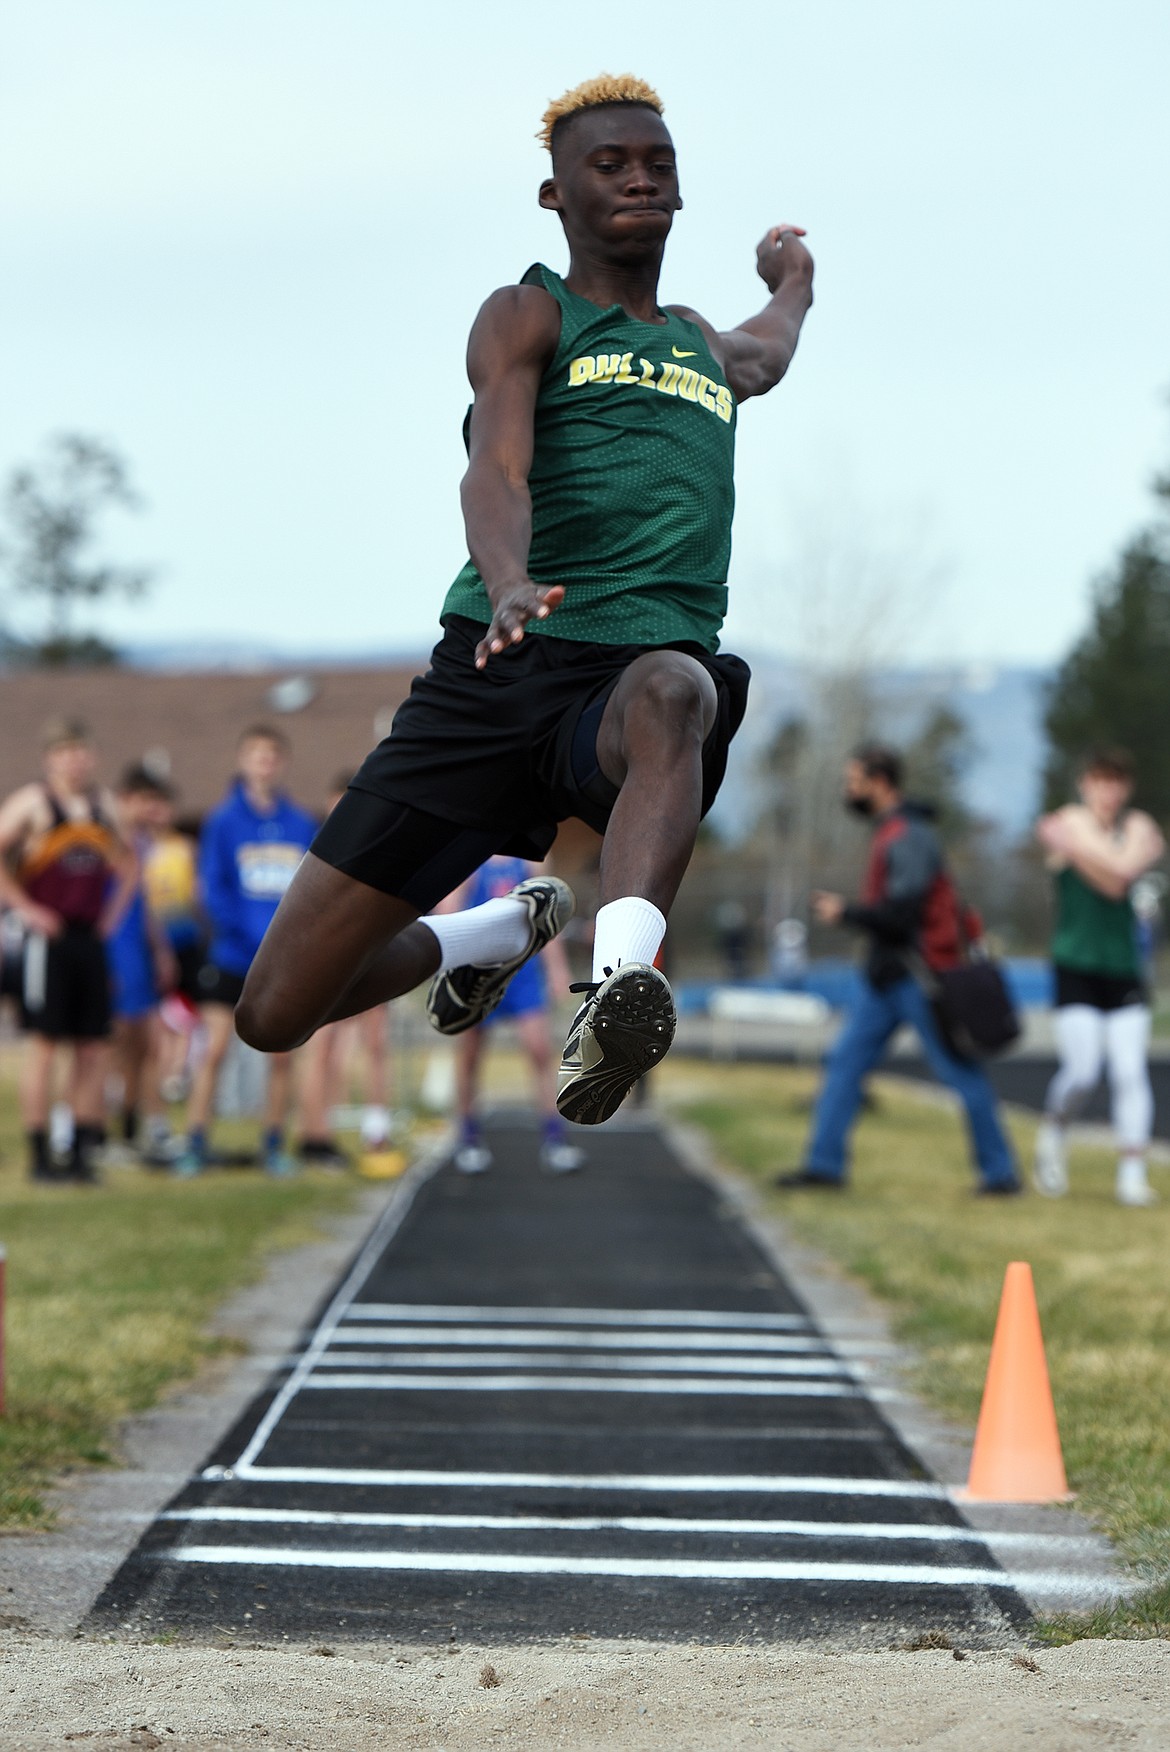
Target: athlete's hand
{"x": 829, "y": 908}
{"x": 780, "y": 253}
{"x": 42, "y": 919}
{"x": 514, "y": 606}
{"x": 1054, "y": 832}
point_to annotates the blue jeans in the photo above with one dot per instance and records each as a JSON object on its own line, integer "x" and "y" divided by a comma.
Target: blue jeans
{"x": 872, "y": 1021}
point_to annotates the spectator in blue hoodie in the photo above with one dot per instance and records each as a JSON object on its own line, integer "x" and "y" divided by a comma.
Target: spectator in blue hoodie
{"x": 249, "y": 850}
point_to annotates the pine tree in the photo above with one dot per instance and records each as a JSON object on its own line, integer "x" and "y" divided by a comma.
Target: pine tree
{"x": 1113, "y": 689}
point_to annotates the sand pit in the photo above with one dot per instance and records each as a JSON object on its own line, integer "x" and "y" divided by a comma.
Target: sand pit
{"x": 582, "y": 1696}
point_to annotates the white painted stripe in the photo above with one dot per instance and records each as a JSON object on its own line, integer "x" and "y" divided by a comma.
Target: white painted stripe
{"x": 943, "y": 1535}
{"x": 725, "y": 1384}
{"x": 702, "y": 1483}
{"x": 379, "y": 1239}
{"x": 558, "y": 1337}
{"x": 632, "y": 1317}
{"x": 674, "y": 1569}
{"x": 35, "y": 972}
{"x": 571, "y": 1360}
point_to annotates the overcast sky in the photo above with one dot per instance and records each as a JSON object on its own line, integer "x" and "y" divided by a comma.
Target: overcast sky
{"x": 244, "y": 241}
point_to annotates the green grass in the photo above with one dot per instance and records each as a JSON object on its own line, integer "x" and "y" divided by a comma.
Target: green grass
{"x": 910, "y": 1230}
{"x": 110, "y": 1291}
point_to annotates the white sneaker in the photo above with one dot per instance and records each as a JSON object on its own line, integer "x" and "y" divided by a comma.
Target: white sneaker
{"x": 473, "y": 1159}
{"x": 161, "y": 1147}
{"x": 1050, "y": 1168}
{"x": 116, "y": 1154}
{"x": 1132, "y": 1186}
{"x": 559, "y": 1156}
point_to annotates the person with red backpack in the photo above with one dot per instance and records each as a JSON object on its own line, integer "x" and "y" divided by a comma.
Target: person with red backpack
{"x": 916, "y": 926}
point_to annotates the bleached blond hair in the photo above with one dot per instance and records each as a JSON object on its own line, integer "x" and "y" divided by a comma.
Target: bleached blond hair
{"x": 592, "y": 93}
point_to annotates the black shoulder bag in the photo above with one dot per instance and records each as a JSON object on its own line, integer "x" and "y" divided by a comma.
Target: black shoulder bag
{"x": 972, "y": 1004}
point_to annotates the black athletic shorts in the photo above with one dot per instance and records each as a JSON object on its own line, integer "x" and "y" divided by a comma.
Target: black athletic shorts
{"x": 12, "y": 971}
{"x": 492, "y": 760}
{"x": 216, "y": 985}
{"x": 1100, "y": 991}
{"x": 65, "y": 991}
{"x": 190, "y": 959}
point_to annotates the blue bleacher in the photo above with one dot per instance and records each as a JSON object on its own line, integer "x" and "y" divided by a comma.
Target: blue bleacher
{"x": 833, "y": 980}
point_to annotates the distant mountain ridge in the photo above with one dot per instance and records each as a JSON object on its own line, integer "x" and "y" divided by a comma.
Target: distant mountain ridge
{"x": 244, "y": 655}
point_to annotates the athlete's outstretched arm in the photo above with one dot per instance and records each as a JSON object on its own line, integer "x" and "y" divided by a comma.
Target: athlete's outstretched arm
{"x": 756, "y": 355}
{"x": 1110, "y": 864}
{"x": 514, "y": 337}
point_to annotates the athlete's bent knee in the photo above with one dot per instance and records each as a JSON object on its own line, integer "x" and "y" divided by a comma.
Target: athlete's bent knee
{"x": 259, "y": 1024}
{"x": 676, "y": 699}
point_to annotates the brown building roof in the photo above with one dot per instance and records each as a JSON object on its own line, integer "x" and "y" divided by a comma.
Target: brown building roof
{"x": 188, "y": 725}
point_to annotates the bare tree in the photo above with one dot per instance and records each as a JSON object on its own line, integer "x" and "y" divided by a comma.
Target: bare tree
{"x": 858, "y": 605}
{"x": 51, "y": 510}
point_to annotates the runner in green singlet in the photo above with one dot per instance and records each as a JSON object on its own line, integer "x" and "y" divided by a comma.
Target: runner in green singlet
{"x": 1097, "y": 850}
{"x": 579, "y": 673}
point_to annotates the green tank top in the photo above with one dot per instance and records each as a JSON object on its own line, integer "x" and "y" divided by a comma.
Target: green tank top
{"x": 1094, "y": 934}
{"x": 631, "y": 481}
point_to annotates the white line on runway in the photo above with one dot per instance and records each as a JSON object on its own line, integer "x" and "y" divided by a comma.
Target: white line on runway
{"x": 686, "y": 1317}
{"x": 573, "y": 1360}
{"x": 740, "y": 1387}
{"x": 555, "y": 1337}
{"x": 379, "y": 1239}
{"x": 702, "y": 1483}
{"x": 945, "y": 1535}
{"x": 674, "y": 1569}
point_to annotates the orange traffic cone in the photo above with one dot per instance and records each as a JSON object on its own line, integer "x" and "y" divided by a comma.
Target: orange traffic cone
{"x": 1017, "y": 1458}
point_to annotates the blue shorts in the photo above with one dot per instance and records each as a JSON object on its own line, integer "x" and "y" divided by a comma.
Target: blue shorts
{"x": 133, "y": 987}
{"x": 527, "y": 991}
{"x": 133, "y": 990}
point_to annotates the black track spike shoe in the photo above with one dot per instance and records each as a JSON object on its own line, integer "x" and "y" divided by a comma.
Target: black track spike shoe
{"x": 622, "y": 1030}
{"x": 463, "y": 996}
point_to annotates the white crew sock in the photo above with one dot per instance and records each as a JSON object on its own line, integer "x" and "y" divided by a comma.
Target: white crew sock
{"x": 630, "y": 929}
{"x": 483, "y": 936}
{"x": 375, "y": 1127}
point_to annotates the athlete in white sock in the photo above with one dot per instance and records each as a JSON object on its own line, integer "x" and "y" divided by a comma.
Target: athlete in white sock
{"x": 630, "y": 929}
{"x": 483, "y": 936}
{"x": 1097, "y": 850}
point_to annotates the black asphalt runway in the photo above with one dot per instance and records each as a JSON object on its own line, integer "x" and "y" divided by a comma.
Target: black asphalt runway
{"x": 585, "y": 1405}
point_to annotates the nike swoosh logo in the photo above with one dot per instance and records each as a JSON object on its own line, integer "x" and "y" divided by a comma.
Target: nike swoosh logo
{"x": 679, "y": 355}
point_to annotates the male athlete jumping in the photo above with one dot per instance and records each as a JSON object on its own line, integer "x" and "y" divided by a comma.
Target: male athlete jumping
{"x": 579, "y": 671}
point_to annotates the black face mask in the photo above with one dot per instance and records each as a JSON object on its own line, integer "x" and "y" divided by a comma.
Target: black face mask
{"x": 859, "y": 805}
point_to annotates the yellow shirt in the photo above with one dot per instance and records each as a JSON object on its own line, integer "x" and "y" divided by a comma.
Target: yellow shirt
{"x": 168, "y": 877}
